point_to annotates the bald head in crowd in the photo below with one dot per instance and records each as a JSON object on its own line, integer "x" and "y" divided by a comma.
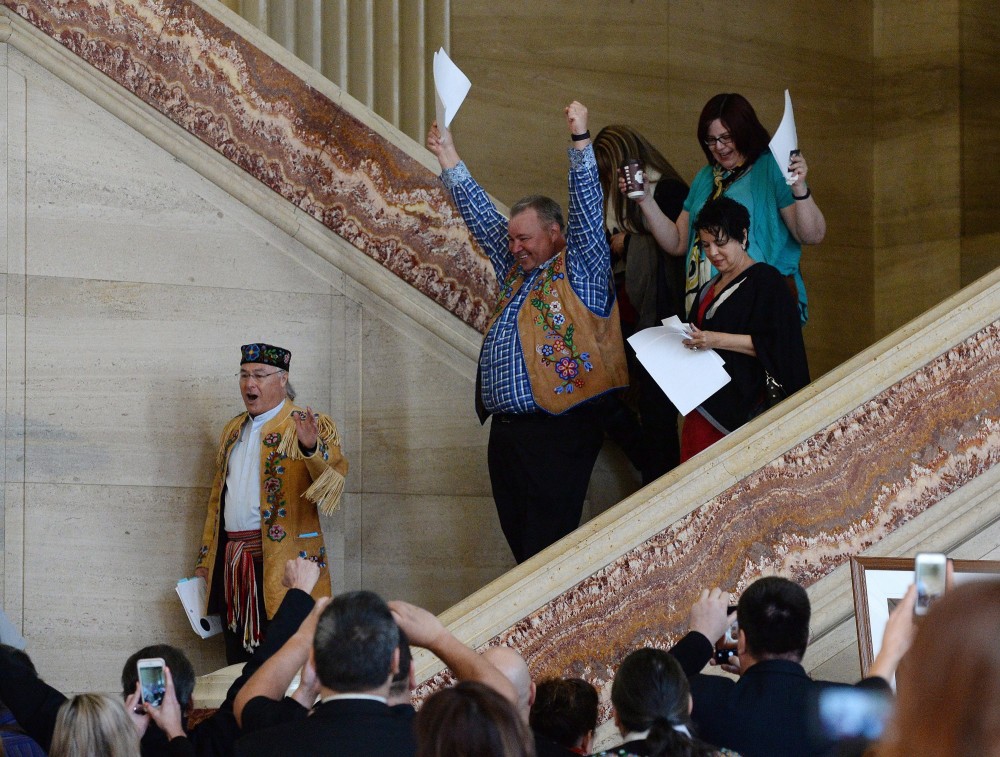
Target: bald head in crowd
{"x": 515, "y": 670}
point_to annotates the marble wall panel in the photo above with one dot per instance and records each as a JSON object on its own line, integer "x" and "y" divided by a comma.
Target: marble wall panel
{"x": 980, "y": 255}
{"x": 131, "y": 383}
{"x": 980, "y": 41}
{"x": 297, "y": 140}
{"x": 129, "y": 197}
{"x": 113, "y": 555}
{"x": 421, "y": 426}
{"x": 917, "y": 158}
{"x": 432, "y": 550}
{"x": 839, "y": 281}
{"x": 911, "y": 278}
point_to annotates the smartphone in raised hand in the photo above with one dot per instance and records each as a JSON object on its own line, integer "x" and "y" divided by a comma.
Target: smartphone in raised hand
{"x": 930, "y": 571}
{"x": 152, "y": 680}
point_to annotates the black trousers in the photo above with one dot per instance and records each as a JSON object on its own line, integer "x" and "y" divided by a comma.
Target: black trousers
{"x": 540, "y": 468}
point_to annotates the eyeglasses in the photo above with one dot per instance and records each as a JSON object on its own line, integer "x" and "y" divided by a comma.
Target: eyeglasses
{"x": 723, "y": 140}
{"x": 256, "y": 375}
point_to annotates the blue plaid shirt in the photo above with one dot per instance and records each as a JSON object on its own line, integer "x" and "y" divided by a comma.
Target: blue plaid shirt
{"x": 502, "y": 370}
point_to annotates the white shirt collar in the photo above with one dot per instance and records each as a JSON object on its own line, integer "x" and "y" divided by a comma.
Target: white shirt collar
{"x": 263, "y": 418}
{"x": 643, "y": 735}
{"x": 334, "y": 697}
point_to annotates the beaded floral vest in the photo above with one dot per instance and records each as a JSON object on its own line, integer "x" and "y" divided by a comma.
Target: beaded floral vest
{"x": 572, "y": 355}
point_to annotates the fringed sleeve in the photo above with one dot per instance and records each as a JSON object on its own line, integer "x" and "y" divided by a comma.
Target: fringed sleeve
{"x": 328, "y": 486}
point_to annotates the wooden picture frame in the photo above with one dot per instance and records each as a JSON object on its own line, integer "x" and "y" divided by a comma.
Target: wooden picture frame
{"x": 879, "y": 582}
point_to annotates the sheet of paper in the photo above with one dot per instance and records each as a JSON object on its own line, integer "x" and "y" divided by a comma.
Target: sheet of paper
{"x": 785, "y": 140}
{"x": 194, "y": 596}
{"x": 686, "y": 376}
{"x": 675, "y": 325}
{"x": 450, "y": 88}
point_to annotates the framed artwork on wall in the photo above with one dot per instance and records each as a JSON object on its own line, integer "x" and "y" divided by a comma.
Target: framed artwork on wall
{"x": 879, "y": 584}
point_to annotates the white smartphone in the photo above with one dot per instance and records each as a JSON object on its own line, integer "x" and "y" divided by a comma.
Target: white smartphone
{"x": 152, "y": 680}
{"x": 930, "y": 570}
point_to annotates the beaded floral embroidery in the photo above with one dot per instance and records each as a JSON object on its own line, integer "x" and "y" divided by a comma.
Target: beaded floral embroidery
{"x": 272, "y": 488}
{"x": 319, "y": 558}
{"x": 561, "y": 355}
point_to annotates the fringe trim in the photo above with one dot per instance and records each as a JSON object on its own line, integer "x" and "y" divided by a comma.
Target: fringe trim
{"x": 233, "y": 425}
{"x": 326, "y": 491}
{"x": 289, "y": 445}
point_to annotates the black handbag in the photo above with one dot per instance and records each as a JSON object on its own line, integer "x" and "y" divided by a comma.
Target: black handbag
{"x": 774, "y": 393}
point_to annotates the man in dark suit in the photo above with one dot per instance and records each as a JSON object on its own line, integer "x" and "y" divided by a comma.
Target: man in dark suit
{"x": 768, "y": 711}
{"x": 355, "y": 655}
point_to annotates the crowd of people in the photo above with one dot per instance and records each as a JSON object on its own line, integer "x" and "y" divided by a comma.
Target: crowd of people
{"x": 351, "y": 657}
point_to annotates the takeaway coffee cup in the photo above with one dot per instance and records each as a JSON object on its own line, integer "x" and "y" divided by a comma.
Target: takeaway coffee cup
{"x": 635, "y": 181}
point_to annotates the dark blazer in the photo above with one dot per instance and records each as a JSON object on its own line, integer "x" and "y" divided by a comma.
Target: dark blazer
{"x": 766, "y": 713}
{"x": 637, "y": 747}
{"x": 546, "y": 747}
{"x": 355, "y": 727}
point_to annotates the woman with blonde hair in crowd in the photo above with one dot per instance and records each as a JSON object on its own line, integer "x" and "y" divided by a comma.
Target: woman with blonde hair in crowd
{"x": 650, "y": 286}
{"x": 948, "y": 686}
{"x": 94, "y": 725}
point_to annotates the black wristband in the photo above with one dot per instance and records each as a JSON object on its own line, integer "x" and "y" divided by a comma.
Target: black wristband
{"x": 580, "y": 137}
{"x": 806, "y": 196}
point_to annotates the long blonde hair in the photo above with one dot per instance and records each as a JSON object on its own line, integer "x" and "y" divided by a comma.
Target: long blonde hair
{"x": 94, "y": 725}
{"x": 613, "y": 145}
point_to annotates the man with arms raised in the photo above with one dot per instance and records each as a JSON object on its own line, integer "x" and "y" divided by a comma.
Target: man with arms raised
{"x": 554, "y": 341}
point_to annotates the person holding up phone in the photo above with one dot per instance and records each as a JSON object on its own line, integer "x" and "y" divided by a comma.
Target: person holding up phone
{"x": 767, "y": 712}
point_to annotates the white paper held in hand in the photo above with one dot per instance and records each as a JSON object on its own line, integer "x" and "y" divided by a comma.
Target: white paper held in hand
{"x": 785, "y": 140}
{"x": 450, "y": 88}
{"x": 687, "y": 377}
{"x": 194, "y": 596}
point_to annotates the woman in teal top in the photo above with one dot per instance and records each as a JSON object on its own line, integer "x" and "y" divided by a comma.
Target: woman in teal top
{"x": 741, "y": 166}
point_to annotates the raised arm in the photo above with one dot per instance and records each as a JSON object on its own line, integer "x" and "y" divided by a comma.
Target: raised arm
{"x": 670, "y": 236}
{"x": 897, "y": 638}
{"x": 803, "y": 218}
{"x": 272, "y": 679}
{"x": 440, "y": 143}
{"x": 487, "y": 224}
{"x": 708, "y": 621}
{"x": 423, "y": 629}
{"x": 587, "y": 253}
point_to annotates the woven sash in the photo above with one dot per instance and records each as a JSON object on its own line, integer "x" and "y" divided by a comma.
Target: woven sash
{"x": 242, "y": 602}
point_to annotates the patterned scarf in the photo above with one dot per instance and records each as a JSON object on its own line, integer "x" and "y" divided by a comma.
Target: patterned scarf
{"x": 699, "y": 269}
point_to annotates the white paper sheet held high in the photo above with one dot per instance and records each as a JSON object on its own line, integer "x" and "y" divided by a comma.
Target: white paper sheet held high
{"x": 450, "y": 88}
{"x": 687, "y": 377}
{"x": 785, "y": 140}
{"x": 194, "y": 597}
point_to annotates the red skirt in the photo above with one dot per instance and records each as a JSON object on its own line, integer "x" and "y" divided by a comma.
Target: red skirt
{"x": 697, "y": 434}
